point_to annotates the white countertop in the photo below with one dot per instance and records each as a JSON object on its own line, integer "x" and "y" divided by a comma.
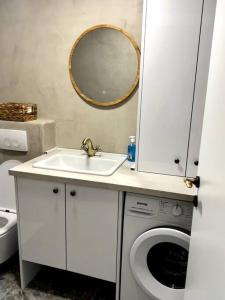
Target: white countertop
{"x": 123, "y": 179}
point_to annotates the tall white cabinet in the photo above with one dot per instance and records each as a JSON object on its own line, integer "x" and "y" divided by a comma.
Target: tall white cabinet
{"x": 173, "y": 84}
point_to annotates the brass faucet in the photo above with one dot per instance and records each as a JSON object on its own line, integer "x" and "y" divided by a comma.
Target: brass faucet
{"x": 88, "y": 147}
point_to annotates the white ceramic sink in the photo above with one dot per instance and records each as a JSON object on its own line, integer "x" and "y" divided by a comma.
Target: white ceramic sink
{"x": 77, "y": 161}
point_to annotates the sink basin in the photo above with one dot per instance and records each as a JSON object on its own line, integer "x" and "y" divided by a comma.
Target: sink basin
{"x": 77, "y": 161}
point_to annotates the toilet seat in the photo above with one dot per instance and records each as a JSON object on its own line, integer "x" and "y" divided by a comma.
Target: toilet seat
{"x": 12, "y": 220}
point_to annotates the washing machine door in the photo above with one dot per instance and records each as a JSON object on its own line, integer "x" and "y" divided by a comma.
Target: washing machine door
{"x": 158, "y": 260}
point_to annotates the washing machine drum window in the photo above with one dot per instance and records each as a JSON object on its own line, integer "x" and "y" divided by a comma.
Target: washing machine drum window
{"x": 158, "y": 261}
{"x": 167, "y": 262}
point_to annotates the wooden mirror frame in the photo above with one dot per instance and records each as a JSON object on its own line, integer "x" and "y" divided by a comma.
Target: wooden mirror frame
{"x": 134, "y": 85}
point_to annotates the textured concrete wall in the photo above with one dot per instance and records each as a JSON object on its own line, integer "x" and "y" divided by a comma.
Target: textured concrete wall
{"x": 35, "y": 42}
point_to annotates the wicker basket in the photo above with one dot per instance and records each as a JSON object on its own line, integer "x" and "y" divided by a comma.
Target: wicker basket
{"x": 20, "y": 112}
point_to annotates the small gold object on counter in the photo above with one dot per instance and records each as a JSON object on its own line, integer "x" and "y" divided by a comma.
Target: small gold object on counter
{"x": 20, "y": 112}
{"x": 188, "y": 182}
{"x": 192, "y": 181}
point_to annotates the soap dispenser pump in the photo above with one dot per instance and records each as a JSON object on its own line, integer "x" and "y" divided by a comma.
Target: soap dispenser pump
{"x": 131, "y": 149}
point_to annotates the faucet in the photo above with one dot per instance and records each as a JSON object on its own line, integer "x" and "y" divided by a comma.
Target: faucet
{"x": 88, "y": 147}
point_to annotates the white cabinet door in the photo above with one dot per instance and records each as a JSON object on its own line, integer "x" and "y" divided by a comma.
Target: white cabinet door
{"x": 206, "y": 266}
{"x": 208, "y": 17}
{"x": 169, "y": 59}
{"x": 42, "y": 221}
{"x": 91, "y": 228}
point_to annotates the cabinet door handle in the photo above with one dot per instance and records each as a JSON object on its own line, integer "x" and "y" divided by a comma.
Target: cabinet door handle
{"x": 55, "y": 190}
{"x": 73, "y": 193}
{"x": 177, "y": 161}
{"x": 196, "y": 162}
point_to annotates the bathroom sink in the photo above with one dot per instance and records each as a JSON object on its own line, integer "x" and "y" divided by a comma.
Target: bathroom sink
{"x": 77, "y": 161}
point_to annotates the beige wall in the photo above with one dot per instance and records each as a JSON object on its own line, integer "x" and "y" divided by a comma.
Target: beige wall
{"x": 35, "y": 42}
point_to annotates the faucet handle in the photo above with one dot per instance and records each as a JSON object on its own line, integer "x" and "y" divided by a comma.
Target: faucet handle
{"x": 83, "y": 147}
{"x": 85, "y": 140}
{"x": 98, "y": 148}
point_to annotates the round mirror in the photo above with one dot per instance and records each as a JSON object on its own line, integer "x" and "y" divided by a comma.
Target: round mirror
{"x": 104, "y": 65}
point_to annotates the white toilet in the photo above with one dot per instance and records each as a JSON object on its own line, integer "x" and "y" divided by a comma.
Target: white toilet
{"x": 8, "y": 218}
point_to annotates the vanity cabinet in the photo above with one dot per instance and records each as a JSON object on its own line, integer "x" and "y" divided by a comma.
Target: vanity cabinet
{"x": 41, "y": 216}
{"x": 91, "y": 222}
{"x": 68, "y": 227}
{"x": 176, "y": 47}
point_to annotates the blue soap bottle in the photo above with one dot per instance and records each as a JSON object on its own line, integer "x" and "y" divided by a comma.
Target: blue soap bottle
{"x": 131, "y": 149}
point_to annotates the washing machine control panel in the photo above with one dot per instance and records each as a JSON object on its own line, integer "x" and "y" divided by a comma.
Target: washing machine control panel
{"x": 175, "y": 208}
{"x": 164, "y": 209}
{"x": 141, "y": 206}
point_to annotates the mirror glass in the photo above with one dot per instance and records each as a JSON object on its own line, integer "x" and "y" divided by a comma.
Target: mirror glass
{"x": 104, "y": 65}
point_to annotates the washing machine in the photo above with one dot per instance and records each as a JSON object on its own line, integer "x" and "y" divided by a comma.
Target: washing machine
{"x": 156, "y": 236}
